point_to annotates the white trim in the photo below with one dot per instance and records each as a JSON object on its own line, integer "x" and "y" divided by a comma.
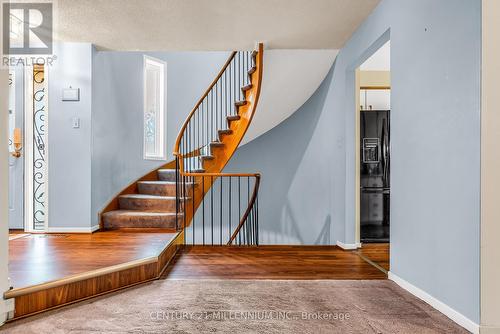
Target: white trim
{"x": 454, "y": 315}
{"x": 28, "y": 147}
{"x": 73, "y": 229}
{"x": 348, "y": 246}
{"x": 162, "y": 117}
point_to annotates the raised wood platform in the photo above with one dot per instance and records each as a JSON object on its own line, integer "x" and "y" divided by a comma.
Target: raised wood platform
{"x": 51, "y": 270}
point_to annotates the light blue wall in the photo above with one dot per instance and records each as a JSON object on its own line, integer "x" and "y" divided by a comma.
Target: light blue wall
{"x": 308, "y": 162}
{"x": 297, "y": 204}
{"x": 117, "y": 113}
{"x": 69, "y": 149}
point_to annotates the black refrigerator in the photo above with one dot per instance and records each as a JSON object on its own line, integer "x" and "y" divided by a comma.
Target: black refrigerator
{"x": 375, "y": 184}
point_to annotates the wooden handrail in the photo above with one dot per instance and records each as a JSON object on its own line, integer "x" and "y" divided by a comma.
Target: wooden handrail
{"x": 220, "y": 154}
{"x": 186, "y": 122}
{"x": 248, "y": 210}
{"x": 223, "y": 174}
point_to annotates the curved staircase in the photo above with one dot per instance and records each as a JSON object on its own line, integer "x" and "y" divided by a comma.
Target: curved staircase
{"x": 180, "y": 195}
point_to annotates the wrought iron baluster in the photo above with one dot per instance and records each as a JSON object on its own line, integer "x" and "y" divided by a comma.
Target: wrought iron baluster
{"x": 212, "y": 207}
{"x": 220, "y": 211}
{"x": 230, "y": 195}
{"x": 203, "y": 207}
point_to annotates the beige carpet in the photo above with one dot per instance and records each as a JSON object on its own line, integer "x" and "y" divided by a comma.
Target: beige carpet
{"x": 258, "y": 306}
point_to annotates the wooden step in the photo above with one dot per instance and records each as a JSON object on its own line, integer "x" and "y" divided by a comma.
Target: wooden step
{"x": 197, "y": 170}
{"x": 245, "y": 88}
{"x": 215, "y": 144}
{"x": 206, "y": 157}
{"x": 143, "y": 202}
{"x": 252, "y": 70}
{"x": 225, "y": 132}
{"x": 240, "y": 103}
{"x": 233, "y": 118}
{"x": 139, "y": 219}
{"x": 160, "y": 188}
{"x": 81, "y": 266}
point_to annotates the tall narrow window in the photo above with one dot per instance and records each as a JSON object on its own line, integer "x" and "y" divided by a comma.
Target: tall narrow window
{"x": 154, "y": 109}
{"x": 39, "y": 153}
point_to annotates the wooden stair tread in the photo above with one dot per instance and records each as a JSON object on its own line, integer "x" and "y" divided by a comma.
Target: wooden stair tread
{"x": 216, "y": 144}
{"x": 139, "y": 213}
{"x": 170, "y": 183}
{"x": 157, "y": 182}
{"x": 247, "y": 87}
{"x": 224, "y": 132}
{"x": 240, "y": 103}
{"x": 147, "y": 196}
{"x": 233, "y": 118}
{"x": 198, "y": 170}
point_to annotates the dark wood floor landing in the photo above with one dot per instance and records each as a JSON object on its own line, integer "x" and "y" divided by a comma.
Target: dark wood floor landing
{"x": 271, "y": 262}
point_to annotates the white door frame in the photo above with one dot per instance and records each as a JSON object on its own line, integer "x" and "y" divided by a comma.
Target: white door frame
{"x": 6, "y": 306}
{"x": 357, "y": 144}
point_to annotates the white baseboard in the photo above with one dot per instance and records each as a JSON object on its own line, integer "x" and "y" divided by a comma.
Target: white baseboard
{"x": 348, "y": 246}
{"x": 457, "y": 317}
{"x": 73, "y": 229}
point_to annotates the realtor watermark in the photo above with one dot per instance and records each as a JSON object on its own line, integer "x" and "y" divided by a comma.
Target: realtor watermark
{"x": 249, "y": 315}
{"x": 27, "y": 33}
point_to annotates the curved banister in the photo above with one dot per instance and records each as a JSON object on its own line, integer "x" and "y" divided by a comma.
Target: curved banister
{"x": 188, "y": 119}
{"x": 209, "y": 137}
{"x": 251, "y": 206}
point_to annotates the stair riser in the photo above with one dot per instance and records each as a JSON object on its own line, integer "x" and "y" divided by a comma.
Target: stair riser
{"x": 143, "y": 204}
{"x": 156, "y": 189}
{"x": 140, "y": 222}
{"x": 166, "y": 176}
{"x": 160, "y": 189}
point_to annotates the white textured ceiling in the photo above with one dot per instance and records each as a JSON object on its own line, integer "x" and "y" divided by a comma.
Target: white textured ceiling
{"x": 156, "y": 25}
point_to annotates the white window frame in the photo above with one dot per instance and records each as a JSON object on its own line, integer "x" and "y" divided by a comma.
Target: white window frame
{"x": 161, "y": 134}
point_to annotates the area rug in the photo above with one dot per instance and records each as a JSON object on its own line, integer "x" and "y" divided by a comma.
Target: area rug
{"x": 246, "y": 306}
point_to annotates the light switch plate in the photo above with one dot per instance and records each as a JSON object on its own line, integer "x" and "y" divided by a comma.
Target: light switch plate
{"x": 76, "y": 122}
{"x": 71, "y": 94}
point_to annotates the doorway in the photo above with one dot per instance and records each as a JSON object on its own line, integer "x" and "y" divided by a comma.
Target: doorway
{"x": 373, "y": 137}
{"x": 28, "y": 158}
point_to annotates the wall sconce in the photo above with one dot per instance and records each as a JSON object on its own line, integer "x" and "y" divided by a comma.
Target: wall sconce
{"x": 17, "y": 141}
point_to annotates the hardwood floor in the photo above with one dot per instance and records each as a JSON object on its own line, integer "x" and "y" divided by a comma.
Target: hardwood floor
{"x": 50, "y": 270}
{"x": 39, "y": 258}
{"x": 271, "y": 262}
{"x": 377, "y": 253}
